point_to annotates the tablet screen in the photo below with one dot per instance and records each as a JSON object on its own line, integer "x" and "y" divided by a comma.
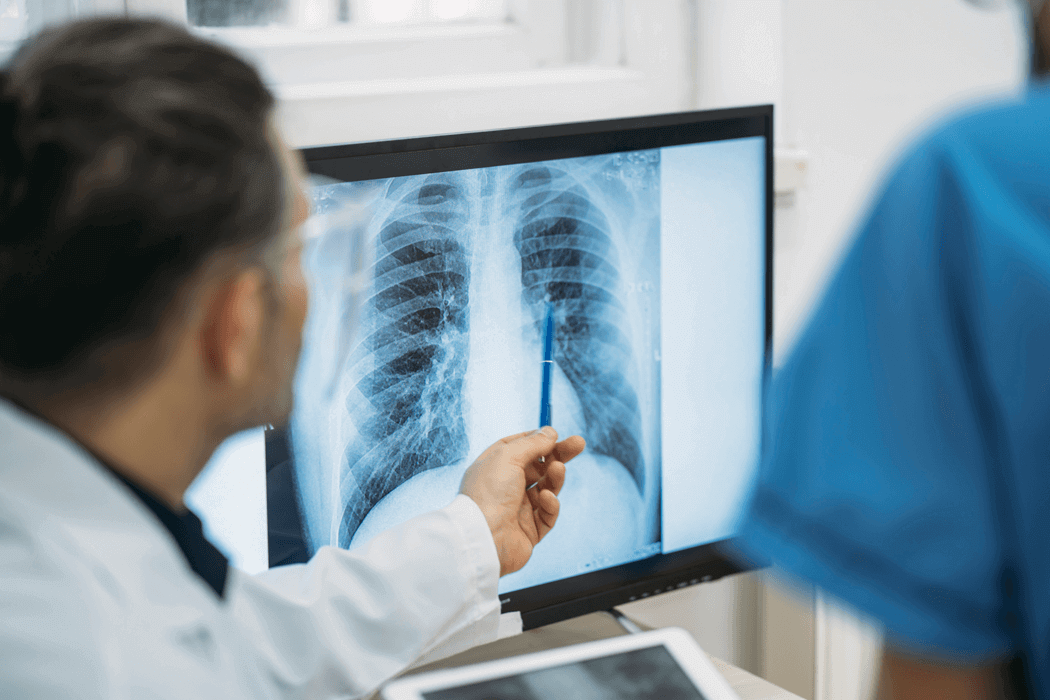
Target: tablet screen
{"x": 641, "y": 674}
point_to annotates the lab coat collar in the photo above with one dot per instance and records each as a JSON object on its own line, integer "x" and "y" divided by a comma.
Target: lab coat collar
{"x": 68, "y": 495}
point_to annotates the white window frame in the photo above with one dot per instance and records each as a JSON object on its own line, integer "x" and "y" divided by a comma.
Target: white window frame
{"x": 554, "y": 61}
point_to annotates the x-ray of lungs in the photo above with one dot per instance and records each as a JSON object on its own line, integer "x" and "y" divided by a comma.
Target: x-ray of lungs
{"x": 445, "y": 356}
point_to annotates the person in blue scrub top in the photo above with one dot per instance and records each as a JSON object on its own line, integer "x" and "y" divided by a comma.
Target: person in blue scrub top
{"x": 907, "y": 454}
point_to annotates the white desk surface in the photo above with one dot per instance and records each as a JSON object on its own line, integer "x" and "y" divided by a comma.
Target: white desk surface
{"x": 599, "y": 626}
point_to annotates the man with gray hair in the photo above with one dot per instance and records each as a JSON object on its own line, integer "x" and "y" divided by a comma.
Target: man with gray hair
{"x": 152, "y": 304}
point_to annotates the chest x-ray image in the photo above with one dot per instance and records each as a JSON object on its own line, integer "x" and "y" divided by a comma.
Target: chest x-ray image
{"x": 395, "y": 400}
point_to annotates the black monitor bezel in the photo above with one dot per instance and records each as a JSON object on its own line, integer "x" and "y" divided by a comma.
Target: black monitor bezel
{"x": 604, "y": 589}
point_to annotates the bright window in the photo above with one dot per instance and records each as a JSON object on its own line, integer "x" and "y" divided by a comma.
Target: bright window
{"x": 359, "y": 70}
{"x": 326, "y": 13}
{"x": 13, "y": 19}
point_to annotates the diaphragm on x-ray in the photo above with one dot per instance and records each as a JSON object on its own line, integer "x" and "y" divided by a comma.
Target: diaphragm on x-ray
{"x": 395, "y": 400}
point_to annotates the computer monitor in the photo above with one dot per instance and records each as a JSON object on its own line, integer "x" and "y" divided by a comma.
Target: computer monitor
{"x": 651, "y": 240}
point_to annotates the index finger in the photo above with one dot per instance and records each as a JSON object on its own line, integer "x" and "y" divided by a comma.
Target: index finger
{"x": 504, "y": 442}
{"x": 569, "y": 448}
{"x": 510, "y": 439}
{"x": 532, "y": 445}
{"x": 562, "y": 452}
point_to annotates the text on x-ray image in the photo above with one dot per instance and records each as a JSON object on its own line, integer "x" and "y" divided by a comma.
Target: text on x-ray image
{"x": 446, "y": 355}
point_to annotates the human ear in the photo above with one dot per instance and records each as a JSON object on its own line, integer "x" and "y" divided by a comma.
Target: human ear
{"x": 233, "y": 333}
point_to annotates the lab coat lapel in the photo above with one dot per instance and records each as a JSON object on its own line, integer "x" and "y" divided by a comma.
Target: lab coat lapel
{"x": 87, "y": 505}
{"x": 87, "y": 512}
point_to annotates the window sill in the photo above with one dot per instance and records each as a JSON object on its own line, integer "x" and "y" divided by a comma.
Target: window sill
{"x": 476, "y": 82}
{"x": 350, "y": 34}
{"x": 289, "y": 56}
{"x": 374, "y": 110}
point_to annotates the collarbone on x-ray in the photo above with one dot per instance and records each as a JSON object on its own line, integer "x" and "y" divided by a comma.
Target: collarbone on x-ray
{"x": 446, "y": 355}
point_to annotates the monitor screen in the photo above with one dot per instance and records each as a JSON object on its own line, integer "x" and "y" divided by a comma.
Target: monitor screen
{"x": 649, "y": 240}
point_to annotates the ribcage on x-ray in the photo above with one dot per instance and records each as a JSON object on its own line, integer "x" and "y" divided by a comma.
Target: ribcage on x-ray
{"x": 405, "y": 381}
{"x": 407, "y": 405}
{"x": 568, "y": 258}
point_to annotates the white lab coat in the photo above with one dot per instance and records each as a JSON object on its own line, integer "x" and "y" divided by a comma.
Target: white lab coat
{"x": 97, "y": 600}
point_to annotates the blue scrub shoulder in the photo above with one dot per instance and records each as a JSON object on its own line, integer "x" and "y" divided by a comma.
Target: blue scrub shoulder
{"x": 906, "y": 451}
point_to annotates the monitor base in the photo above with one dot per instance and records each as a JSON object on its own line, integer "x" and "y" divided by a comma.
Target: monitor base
{"x": 629, "y": 625}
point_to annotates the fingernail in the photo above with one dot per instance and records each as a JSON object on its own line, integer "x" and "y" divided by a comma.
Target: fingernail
{"x": 549, "y": 431}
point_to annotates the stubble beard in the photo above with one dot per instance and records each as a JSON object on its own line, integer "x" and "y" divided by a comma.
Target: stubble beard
{"x": 276, "y": 400}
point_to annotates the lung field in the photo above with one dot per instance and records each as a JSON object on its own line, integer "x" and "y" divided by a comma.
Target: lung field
{"x": 409, "y": 406}
{"x": 568, "y": 259}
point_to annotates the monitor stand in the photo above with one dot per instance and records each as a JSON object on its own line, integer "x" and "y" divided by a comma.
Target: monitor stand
{"x": 597, "y": 625}
{"x": 629, "y": 625}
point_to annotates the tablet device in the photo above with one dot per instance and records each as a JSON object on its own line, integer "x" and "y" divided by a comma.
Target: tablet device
{"x": 663, "y": 664}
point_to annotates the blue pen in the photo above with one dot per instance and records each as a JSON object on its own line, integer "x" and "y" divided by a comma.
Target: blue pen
{"x": 548, "y": 369}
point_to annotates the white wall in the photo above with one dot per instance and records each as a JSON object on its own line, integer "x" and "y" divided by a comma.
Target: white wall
{"x": 860, "y": 78}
